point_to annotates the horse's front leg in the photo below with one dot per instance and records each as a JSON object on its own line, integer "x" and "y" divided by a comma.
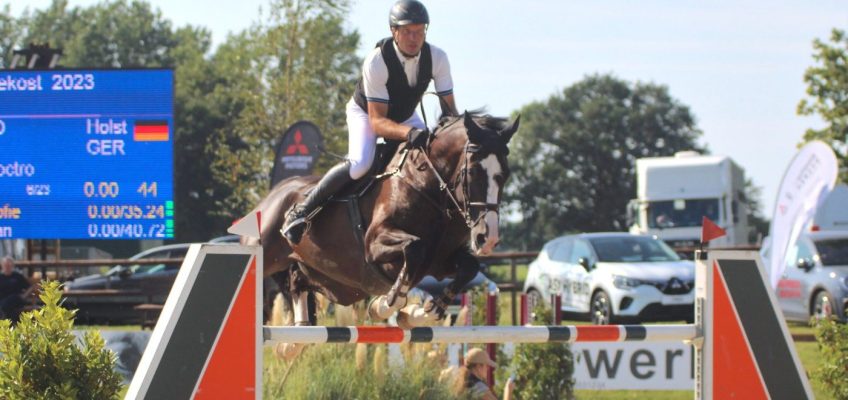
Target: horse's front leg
{"x": 397, "y": 246}
{"x": 304, "y": 307}
{"x": 467, "y": 268}
{"x": 435, "y": 310}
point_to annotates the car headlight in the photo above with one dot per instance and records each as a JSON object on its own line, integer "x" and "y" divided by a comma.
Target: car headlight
{"x": 623, "y": 282}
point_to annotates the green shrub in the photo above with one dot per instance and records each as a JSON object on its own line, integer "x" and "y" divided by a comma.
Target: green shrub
{"x": 40, "y": 360}
{"x": 832, "y": 338}
{"x": 542, "y": 371}
{"x": 479, "y": 296}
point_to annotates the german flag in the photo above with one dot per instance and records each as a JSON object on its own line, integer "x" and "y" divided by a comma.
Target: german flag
{"x": 150, "y": 131}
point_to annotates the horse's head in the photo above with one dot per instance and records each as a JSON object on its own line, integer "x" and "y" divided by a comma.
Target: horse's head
{"x": 484, "y": 175}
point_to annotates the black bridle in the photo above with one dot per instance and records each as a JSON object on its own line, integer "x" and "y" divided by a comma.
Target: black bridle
{"x": 462, "y": 181}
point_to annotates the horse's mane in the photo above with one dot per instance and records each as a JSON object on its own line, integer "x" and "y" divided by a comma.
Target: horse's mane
{"x": 480, "y": 117}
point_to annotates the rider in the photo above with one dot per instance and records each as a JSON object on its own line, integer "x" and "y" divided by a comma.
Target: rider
{"x": 395, "y": 76}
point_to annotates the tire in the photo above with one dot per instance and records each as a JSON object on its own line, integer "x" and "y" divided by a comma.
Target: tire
{"x": 600, "y": 310}
{"x": 823, "y": 307}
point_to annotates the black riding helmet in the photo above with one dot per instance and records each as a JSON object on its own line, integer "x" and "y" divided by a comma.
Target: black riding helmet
{"x": 407, "y": 12}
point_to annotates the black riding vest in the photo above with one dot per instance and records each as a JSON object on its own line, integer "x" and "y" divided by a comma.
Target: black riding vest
{"x": 402, "y": 97}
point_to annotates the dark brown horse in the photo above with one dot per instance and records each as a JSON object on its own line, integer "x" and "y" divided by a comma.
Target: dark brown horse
{"x": 420, "y": 219}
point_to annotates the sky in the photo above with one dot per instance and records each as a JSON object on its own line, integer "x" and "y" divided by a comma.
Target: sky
{"x": 738, "y": 64}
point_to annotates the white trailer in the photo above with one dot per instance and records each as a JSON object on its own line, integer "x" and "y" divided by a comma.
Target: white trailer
{"x": 833, "y": 214}
{"x": 674, "y": 193}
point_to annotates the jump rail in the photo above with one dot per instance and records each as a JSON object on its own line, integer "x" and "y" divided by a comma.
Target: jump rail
{"x": 208, "y": 342}
{"x": 478, "y": 334}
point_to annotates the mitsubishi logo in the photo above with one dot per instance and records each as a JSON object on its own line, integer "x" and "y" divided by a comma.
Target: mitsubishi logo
{"x": 297, "y": 146}
{"x": 675, "y": 283}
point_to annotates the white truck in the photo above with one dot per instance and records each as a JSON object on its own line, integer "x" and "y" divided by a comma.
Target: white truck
{"x": 833, "y": 214}
{"x": 674, "y": 193}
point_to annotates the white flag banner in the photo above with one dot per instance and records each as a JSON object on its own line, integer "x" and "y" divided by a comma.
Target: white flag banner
{"x": 806, "y": 183}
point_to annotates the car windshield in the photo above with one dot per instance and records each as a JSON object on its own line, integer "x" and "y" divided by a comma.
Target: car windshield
{"x": 681, "y": 213}
{"x": 632, "y": 249}
{"x": 833, "y": 252}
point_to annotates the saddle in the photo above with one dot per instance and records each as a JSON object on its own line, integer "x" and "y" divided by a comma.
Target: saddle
{"x": 372, "y": 277}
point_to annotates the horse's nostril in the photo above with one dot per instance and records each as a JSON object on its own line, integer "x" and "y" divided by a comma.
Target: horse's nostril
{"x": 481, "y": 239}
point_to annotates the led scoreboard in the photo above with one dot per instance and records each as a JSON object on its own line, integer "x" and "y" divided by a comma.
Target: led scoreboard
{"x": 86, "y": 154}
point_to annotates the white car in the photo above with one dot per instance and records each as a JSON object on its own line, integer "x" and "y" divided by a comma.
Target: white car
{"x": 614, "y": 277}
{"x": 815, "y": 276}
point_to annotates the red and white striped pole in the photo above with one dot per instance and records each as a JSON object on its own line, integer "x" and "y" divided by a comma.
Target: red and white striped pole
{"x": 479, "y": 334}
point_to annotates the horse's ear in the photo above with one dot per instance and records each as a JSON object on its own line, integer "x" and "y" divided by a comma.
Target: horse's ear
{"x": 475, "y": 133}
{"x": 507, "y": 133}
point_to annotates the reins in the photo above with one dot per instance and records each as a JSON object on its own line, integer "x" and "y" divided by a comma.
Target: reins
{"x": 462, "y": 179}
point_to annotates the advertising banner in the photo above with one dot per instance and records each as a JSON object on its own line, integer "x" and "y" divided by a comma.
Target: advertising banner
{"x": 297, "y": 152}
{"x": 806, "y": 183}
{"x": 634, "y": 366}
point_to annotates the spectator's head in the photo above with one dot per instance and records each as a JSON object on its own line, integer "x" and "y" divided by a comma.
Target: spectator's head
{"x": 477, "y": 360}
{"x": 8, "y": 265}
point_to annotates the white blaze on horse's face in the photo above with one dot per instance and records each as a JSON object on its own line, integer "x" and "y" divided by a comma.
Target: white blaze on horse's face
{"x": 489, "y": 229}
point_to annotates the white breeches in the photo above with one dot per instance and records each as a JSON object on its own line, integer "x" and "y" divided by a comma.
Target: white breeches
{"x": 362, "y": 140}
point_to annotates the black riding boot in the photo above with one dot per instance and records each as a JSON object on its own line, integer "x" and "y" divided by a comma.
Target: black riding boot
{"x": 297, "y": 217}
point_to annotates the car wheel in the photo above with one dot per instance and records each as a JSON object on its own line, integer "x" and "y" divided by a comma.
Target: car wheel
{"x": 600, "y": 310}
{"x": 823, "y": 305}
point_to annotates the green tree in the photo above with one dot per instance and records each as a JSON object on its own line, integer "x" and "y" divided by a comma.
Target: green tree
{"x": 197, "y": 115}
{"x": 827, "y": 88}
{"x": 117, "y": 34}
{"x": 757, "y": 217}
{"x": 574, "y": 160}
{"x": 10, "y": 34}
{"x": 299, "y": 64}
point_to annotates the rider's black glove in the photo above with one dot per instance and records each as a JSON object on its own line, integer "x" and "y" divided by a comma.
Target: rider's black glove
{"x": 417, "y": 137}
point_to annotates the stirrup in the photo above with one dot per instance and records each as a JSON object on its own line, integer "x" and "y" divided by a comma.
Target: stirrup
{"x": 295, "y": 224}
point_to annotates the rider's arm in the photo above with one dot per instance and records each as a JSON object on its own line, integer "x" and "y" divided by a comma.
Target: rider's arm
{"x": 442, "y": 80}
{"x": 449, "y": 103}
{"x": 382, "y": 125}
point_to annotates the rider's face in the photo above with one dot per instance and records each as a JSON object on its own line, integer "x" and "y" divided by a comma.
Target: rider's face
{"x": 410, "y": 38}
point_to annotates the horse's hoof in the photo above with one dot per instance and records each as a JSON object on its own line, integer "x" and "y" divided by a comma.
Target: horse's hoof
{"x": 414, "y": 315}
{"x": 374, "y": 309}
{"x": 288, "y": 351}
